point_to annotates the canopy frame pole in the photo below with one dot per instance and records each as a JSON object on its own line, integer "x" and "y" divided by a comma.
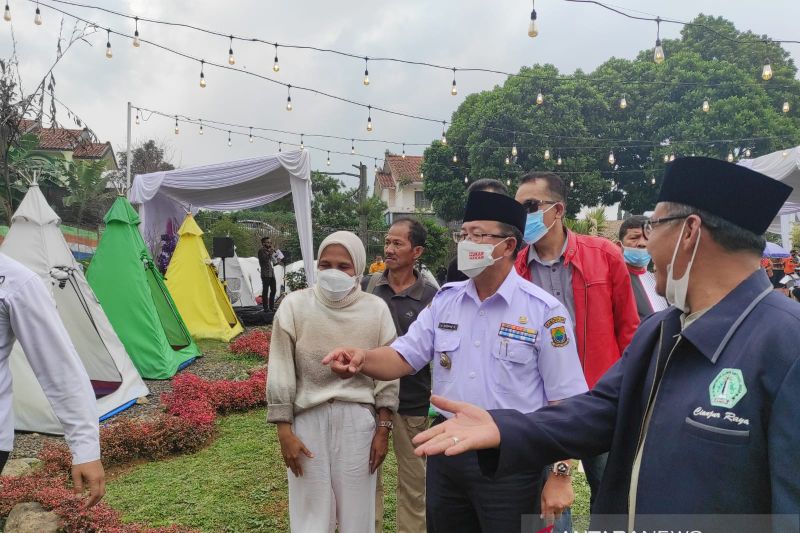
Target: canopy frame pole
{"x": 128, "y": 152}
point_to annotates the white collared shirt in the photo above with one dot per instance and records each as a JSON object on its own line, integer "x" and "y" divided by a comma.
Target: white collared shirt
{"x": 28, "y": 314}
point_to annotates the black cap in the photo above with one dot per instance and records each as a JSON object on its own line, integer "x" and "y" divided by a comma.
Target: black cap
{"x": 482, "y": 205}
{"x": 737, "y": 194}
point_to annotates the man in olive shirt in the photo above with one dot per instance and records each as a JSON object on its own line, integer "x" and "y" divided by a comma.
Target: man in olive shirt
{"x": 407, "y": 292}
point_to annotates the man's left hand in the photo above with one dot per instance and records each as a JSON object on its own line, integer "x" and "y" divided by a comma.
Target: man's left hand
{"x": 92, "y": 476}
{"x": 557, "y": 495}
{"x": 379, "y": 449}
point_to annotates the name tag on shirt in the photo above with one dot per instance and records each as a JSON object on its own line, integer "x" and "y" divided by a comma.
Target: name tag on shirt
{"x": 448, "y": 326}
{"x": 519, "y": 333}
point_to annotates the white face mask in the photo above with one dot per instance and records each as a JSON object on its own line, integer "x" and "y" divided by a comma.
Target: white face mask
{"x": 474, "y": 258}
{"x": 335, "y": 284}
{"x": 677, "y": 289}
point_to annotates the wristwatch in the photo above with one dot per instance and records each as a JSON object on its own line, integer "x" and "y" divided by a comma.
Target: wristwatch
{"x": 562, "y": 468}
{"x": 386, "y": 424}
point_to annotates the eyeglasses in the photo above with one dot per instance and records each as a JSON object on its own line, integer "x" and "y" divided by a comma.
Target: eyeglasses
{"x": 532, "y": 206}
{"x": 477, "y": 238}
{"x": 647, "y": 225}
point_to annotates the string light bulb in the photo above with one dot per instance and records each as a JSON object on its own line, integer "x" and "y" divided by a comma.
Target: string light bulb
{"x": 251, "y": 135}
{"x": 571, "y": 183}
{"x": 202, "y": 75}
{"x": 785, "y": 153}
{"x": 369, "y": 118}
{"x": 231, "y": 59}
{"x": 508, "y": 160}
{"x": 706, "y": 106}
{"x": 280, "y": 147}
{"x": 653, "y": 180}
{"x": 785, "y": 107}
{"x": 444, "y": 136}
{"x": 352, "y": 147}
{"x": 671, "y": 158}
{"x": 276, "y": 67}
{"x": 539, "y": 98}
{"x": 623, "y": 102}
{"x": 730, "y": 157}
{"x": 7, "y": 13}
{"x": 376, "y": 164}
{"x": 508, "y": 182}
{"x": 453, "y": 88}
{"x": 404, "y": 151}
{"x": 37, "y": 18}
{"x": 611, "y": 158}
{"x": 328, "y": 162}
{"x": 533, "y": 26}
{"x": 747, "y": 152}
{"x": 559, "y": 161}
{"x": 137, "y": 117}
{"x": 201, "y": 128}
{"x": 177, "y": 128}
{"x": 455, "y": 158}
{"x": 466, "y": 179}
{"x": 547, "y": 155}
{"x": 289, "y": 98}
{"x": 136, "y": 42}
{"x": 658, "y": 51}
{"x": 766, "y": 71}
{"x": 366, "y": 71}
{"x": 421, "y": 175}
{"x": 109, "y": 53}
{"x": 302, "y": 146}
{"x": 514, "y": 151}
{"x": 666, "y": 158}
{"x": 230, "y": 143}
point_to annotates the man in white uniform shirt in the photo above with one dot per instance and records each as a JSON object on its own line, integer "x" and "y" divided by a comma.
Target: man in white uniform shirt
{"x": 28, "y": 315}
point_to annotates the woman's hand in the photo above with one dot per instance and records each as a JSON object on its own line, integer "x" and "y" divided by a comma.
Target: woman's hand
{"x": 292, "y": 448}
{"x": 379, "y": 448}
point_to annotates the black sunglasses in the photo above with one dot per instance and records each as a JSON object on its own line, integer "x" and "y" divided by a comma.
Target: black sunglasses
{"x": 532, "y": 206}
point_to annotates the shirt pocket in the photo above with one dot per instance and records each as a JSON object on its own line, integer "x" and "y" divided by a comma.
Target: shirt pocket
{"x": 512, "y": 367}
{"x": 735, "y": 437}
{"x": 445, "y": 357}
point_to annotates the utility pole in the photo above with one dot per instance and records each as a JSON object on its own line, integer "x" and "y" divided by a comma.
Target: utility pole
{"x": 362, "y": 198}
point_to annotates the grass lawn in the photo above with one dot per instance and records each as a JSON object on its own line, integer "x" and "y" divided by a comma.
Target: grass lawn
{"x": 238, "y": 483}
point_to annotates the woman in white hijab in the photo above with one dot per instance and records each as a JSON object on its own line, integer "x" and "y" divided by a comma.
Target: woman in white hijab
{"x": 330, "y": 440}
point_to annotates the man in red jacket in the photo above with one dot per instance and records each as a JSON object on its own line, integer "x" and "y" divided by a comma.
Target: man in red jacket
{"x": 587, "y": 274}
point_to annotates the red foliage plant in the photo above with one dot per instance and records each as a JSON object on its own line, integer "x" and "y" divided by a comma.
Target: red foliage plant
{"x": 255, "y": 342}
{"x": 187, "y": 426}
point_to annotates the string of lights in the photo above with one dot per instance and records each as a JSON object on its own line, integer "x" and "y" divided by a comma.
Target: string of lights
{"x": 558, "y": 155}
{"x": 533, "y": 31}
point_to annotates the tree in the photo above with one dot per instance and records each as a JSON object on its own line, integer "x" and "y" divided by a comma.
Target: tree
{"x": 146, "y": 157}
{"x": 437, "y": 246}
{"x": 87, "y": 189}
{"x": 246, "y": 241}
{"x": 581, "y": 122}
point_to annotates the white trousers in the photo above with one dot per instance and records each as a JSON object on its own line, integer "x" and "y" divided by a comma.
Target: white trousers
{"x": 336, "y": 486}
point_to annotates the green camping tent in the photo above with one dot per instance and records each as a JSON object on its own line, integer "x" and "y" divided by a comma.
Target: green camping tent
{"x": 135, "y": 299}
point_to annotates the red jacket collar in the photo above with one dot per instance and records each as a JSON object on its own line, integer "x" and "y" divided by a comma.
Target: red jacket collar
{"x": 636, "y": 270}
{"x": 570, "y": 256}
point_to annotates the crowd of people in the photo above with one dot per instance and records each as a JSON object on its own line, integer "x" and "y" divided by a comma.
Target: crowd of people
{"x": 669, "y": 379}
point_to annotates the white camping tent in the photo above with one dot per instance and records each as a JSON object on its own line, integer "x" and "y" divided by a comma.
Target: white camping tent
{"x": 35, "y": 240}
{"x": 238, "y": 280}
{"x": 166, "y": 196}
{"x": 783, "y": 165}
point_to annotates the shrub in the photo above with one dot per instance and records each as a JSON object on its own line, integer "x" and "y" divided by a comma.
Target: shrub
{"x": 255, "y": 342}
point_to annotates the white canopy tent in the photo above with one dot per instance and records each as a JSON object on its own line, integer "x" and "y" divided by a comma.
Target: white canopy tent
{"x": 783, "y": 165}
{"x": 166, "y": 196}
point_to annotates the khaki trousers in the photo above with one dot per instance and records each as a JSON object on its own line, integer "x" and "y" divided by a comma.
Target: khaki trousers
{"x": 410, "y": 477}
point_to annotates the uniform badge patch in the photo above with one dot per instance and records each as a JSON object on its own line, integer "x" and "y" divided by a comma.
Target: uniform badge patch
{"x": 727, "y": 388}
{"x": 523, "y": 319}
{"x": 555, "y": 320}
{"x": 444, "y": 360}
{"x": 558, "y": 336}
{"x": 511, "y": 331}
{"x": 447, "y": 326}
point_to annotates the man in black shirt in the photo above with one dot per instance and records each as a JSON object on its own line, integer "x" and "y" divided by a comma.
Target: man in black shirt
{"x": 406, "y": 291}
{"x": 265, "y": 254}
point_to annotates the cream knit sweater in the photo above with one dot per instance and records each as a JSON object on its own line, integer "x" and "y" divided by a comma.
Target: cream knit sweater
{"x": 304, "y": 330}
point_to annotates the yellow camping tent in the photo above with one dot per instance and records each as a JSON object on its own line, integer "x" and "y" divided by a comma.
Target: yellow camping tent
{"x": 198, "y": 293}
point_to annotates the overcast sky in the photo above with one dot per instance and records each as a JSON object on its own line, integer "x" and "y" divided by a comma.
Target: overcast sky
{"x": 461, "y": 33}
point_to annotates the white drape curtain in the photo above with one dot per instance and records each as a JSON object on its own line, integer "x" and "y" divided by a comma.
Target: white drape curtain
{"x": 165, "y": 197}
{"x": 783, "y": 165}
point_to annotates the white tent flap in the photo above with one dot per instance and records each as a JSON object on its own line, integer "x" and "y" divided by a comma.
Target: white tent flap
{"x": 166, "y": 196}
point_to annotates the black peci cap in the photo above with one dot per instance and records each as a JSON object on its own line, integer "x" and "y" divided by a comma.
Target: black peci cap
{"x": 737, "y": 194}
{"x": 482, "y": 205}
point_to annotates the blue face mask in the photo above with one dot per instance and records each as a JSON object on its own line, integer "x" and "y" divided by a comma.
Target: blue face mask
{"x": 637, "y": 257}
{"x": 534, "y": 226}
